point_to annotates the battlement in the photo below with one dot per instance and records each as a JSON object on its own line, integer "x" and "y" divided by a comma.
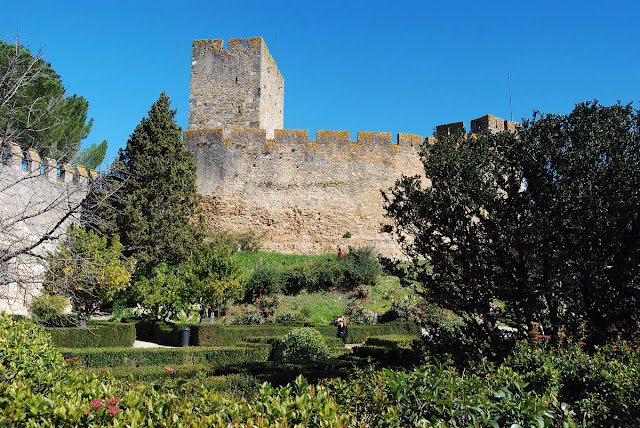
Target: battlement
{"x": 481, "y": 124}
{"x": 30, "y": 162}
{"x": 288, "y": 138}
{"x": 251, "y": 46}
{"x": 237, "y": 87}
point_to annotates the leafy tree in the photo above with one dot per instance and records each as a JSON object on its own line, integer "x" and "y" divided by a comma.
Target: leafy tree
{"x": 545, "y": 220}
{"x": 207, "y": 279}
{"x": 35, "y": 109}
{"x": 160, "y": 292}
{"x": 211, "y": 277}
{"x": 158, "y": 201}
{"x": 88, "y": 269}
{"x": 92, "y": 156}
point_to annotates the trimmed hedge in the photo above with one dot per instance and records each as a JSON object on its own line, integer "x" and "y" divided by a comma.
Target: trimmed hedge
{"x": 136, "y": 357}
{"x": 101, "y": 335}
{"x": 217, "y": 335}
{"x": 401, "y": 357}
{"x": 392, "y": 341}
{"x": 359, "y": 333}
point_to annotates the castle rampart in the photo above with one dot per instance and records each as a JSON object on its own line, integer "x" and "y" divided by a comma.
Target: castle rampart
{"x": 38, "y": 198}
{"x": 296, "y": 194}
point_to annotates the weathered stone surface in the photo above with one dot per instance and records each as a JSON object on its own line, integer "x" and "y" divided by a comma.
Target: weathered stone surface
{"x": 238, "y": 87}
{"x": 299, "y": 195}
{"x": 295, "y": 194}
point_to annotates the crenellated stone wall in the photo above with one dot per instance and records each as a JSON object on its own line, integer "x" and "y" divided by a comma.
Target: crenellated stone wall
{"x": 301, "y": 195}
{"x": 39, "y": 198}
{"x": 296, "y": 194}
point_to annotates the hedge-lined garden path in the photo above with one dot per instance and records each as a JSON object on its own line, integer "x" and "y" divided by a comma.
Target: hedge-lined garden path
{"x": 141, "y": 344}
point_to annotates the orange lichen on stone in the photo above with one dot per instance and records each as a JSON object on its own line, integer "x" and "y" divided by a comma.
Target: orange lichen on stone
{"x": 33, "y": 156}
{"x": 203, "y": 132}
{"x": 67, "y": 168}
{"x": 81, "y": 171}
{"x": 409, "y": 139}
{"x": 205, "y": 44}
{"x": 294, "y": 136}
{"x": 251, "y": 45}
{"x": 329, "y": 137}
{"x": 374, "y": 137}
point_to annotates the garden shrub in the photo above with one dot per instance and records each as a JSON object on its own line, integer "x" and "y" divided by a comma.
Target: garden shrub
{"x": 604, "y": 386}
{"x": 362, "y": 266}
{"x": 438, "y": 396}
{"x": 302, "y": 344}
{"x": 101, "y": 335}
{"x": 357, "y": 312}
{"x": 26, "y": 351}
{"x": 360, "y": 333}
{"x": 48, "y": 310}
{"x": 265, "y": 280}
{"x": 392, "y": 341}
{"x": 217, "y": 335}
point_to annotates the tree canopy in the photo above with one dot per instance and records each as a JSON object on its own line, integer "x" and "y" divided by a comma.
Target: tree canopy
{"x": 158, "y": 204}
{"x": 35, "y": 109}
{"x": 88, "y": 269}
{"x": 546, "y": 220}
{"x": 92, "y": 156}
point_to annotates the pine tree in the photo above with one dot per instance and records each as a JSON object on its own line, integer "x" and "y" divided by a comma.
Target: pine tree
{"x": 158, "y": 202}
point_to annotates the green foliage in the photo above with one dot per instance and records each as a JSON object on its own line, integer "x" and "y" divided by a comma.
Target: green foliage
{"x": 209, "y": 278}
{"x": 544, "y": 220}
{"x": 157, "y": 205}
{"x": 48, "y": 310}
{"x": 88, "y": 269}
{"x": 35, "y": 110}
{"x": 439, "y": 396}
{"x": 26, "y": 352}
{"x": 604, "y": 385}
{"x": 392, "y": 341}
{"x": 362, "y": 266}
{"x": 100, "y": 335}
{"x": 357, "y": 312}
{"x": 92, "y": 156}
{"x": 291, "y": 275}
{"x": 262, "y": 311}
{"x": 265, "y": 280}
{"x": 158, "y": 357}
{"x": 302, "y": 344}
{"x": 160, "y": 292}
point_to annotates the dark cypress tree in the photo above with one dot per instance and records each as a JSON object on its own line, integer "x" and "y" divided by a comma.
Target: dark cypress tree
{"x": 158, "y": 204}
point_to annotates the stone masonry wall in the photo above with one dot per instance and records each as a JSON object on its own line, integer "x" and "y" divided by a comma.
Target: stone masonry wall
{"x": 37, "y": 197}
{"x": 301, "y": 195}
{"x": 237, "y": 87}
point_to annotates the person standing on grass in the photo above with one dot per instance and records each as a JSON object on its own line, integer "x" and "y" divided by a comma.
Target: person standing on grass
{"x": 343, "y": 333}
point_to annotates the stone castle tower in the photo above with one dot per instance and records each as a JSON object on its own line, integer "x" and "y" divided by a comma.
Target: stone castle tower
{"x": 296, "y": 194}
{"x": 240, "y": 87}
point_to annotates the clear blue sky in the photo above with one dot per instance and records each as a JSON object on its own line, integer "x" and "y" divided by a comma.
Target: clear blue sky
{"x": 397, "y": 66}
